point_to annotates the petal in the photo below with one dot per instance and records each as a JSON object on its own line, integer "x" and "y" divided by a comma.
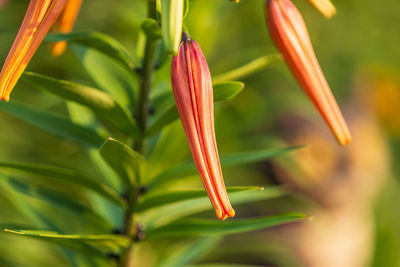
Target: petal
{"x": 41, "y": 14}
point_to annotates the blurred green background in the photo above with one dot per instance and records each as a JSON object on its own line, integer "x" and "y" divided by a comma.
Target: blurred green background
{"x": 352, "y": 192}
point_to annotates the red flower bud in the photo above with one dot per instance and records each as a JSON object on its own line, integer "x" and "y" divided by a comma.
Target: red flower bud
{"x": 290, "y": 35}
{"x": 39, "y": 17}
{"x": 193, "y": 91}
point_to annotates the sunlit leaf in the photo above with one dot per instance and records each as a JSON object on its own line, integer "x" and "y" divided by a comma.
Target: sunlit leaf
{"x": 190, "y": 253}
{"x": 53, "y": 123}
{"x": 62, "y": 175}
{"x": 149, "y": 201}
{"x": 205, "y": 227}
{"x": 222, "y": 265}
{"x": 189, "y": 168}
{"x": 164, "y": 214}
{"x": 227, "y": 90}
{"x": 100, "y": 103}
{"x": 222, "y": 91}
{"x": 112, "y": 243}
{"x": 122, "y": 159}
{"x": 108, "y": 75}
{"x": 247, "y": 69}
{"x": 99, "y": 41}
{"x": 65, "y": 206}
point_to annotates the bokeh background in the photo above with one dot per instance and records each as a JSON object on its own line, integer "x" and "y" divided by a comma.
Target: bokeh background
{"x": 352, "y": 192}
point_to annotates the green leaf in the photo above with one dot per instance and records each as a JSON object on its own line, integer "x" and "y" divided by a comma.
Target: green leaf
{"x": 204, "y": 227}
{"x": 112, "y": 243}
{"x": 189, "y": 168}
{"x": 249, "y": 68}
{"x": 222, "y": 265}
{"x": 222, "y": 91}
{"x": 100, "y": 103}
{"x": 151, "y": 28}
{"x": 186, "y": 9}
{"x": 171, "y": 24}
{"x": 150, "y": 201}
{"x": 165, "y": 118}
{"x": 63, "y": 175}
{"x": 109, "y": 76}
{"x": 190, "y": 253}
{"x": 164, "y": 214}
{"x": 53, "y": 123}
{"x": 66, "y": 207}
{"x": 99, "y": 41}
{"x": 123, "y": 160}
{"x": 227, "y": 90}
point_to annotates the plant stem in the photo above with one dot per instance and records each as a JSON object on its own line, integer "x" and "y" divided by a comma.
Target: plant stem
{"x": 145, "y": 82}
{"x": 142, "y": 112}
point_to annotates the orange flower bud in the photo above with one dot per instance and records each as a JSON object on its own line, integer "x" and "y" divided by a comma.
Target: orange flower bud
{"x": 193, "y": 91}
{"x": 64, "y": 24}
{"x": 40, "y": 16}
{"x": 290, "y": 35}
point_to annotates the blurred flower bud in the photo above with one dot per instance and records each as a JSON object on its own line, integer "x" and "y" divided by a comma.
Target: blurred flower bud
{"x": 193, "y": 91}
{"x": 325, "y": 7}
{"x": 40, "y": 16}
{"x": 64, "y": 24}
{"x": 290, "y": 35}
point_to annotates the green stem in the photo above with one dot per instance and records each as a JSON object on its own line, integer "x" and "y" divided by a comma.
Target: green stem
{"x": 145, "y": 82}
{"x": 142, "y": 114}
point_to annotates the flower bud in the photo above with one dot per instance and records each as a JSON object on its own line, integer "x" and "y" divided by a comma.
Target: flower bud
{"x": 193, "y": 91}
{"x": 290, "y": 35}
{"x": 171, "y": 24}
{"x": 40, "y": 16}
{"x": 325, "y": 7}
{"x": 64, "y": 24}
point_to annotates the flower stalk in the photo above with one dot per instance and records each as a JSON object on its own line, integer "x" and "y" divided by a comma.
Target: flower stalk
{"x": 193, "y": 91}
{"x": 40, "y": 16}
{"x": 290, "y": 35}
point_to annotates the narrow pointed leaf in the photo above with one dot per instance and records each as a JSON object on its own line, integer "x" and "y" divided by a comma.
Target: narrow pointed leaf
{"x": 53, "y": 123}
{"x": 108, "y": 75}
{"x": 99, "y": 41}
{"x": 150, "y": 201}
{"x": 205, "y": 227}
{"x": 112, "y": 243}
{"x": 100, "y": 103}
{"x": 123, "y": 160}
{"x": 63, "y": 203}
{"x": 222, "y": 91}
{"x": 164, "y": 214}
{"x": 62, "y": 175}
{"x": 191, "y": 253}
{"x": 222, "y": 265}
{"x": 188, "y": 168}
{"x": 249, "y": 68}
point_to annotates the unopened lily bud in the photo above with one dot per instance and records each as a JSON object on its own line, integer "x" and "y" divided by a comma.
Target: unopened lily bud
{"x": 64, "y": 24}
{"x": 193, "y": 91}
{"x": 171, "y": 24}
{"x": 290, "y": 36}
{"x": 40, "y": 16}
{"x": 325, "y": 7}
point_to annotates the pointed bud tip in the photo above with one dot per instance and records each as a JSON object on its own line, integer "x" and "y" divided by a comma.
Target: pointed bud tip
{"x": 5, "y": 98}
{"x": 345, "y": 140}
{"x": 185, "y": 37}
